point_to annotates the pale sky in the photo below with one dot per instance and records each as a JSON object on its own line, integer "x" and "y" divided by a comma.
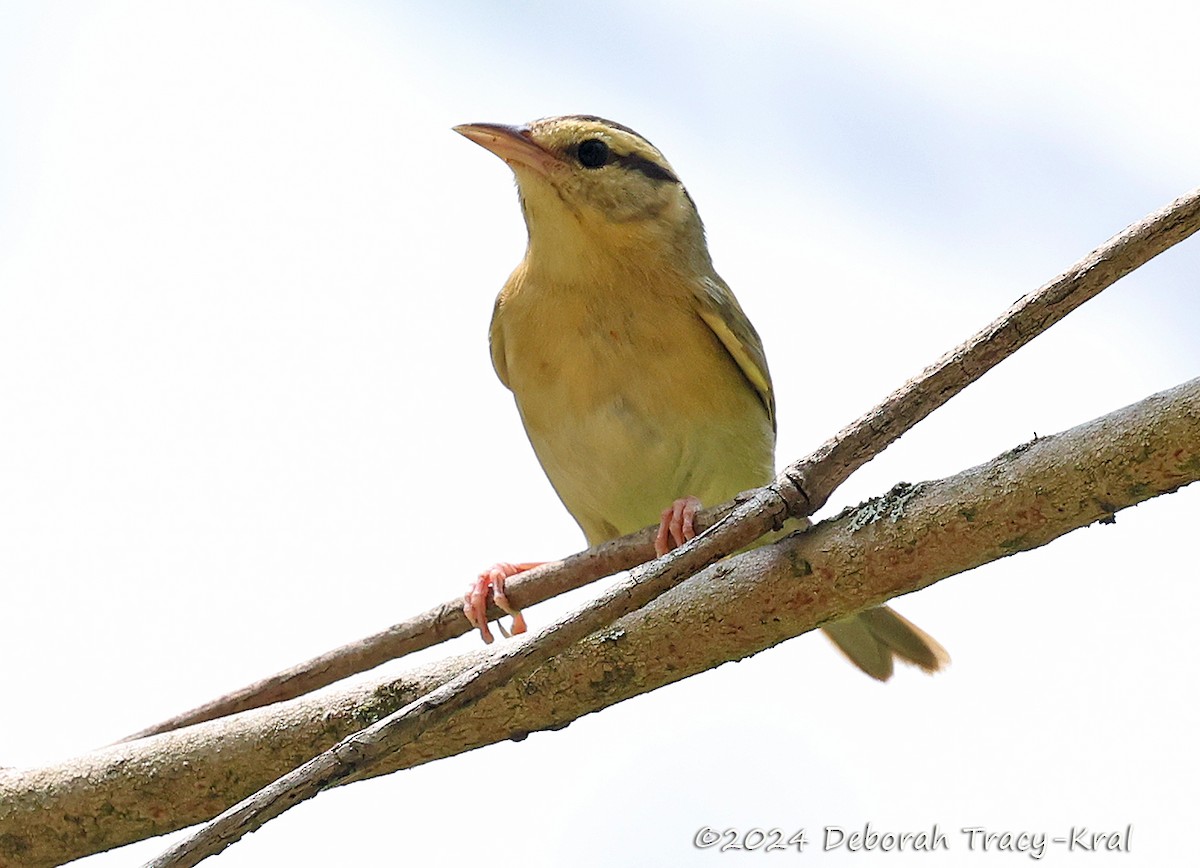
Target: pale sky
{"x": 247, "y": 411}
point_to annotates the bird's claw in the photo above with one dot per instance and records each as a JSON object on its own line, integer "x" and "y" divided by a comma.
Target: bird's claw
{"x": 677, "y": 525}
{"x": 475, "y": 600}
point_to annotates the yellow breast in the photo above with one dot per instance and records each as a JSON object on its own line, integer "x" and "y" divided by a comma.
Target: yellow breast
{"x": 628, "y": 397}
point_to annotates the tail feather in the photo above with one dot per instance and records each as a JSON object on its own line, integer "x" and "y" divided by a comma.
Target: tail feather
{"x": 873, "y": 638}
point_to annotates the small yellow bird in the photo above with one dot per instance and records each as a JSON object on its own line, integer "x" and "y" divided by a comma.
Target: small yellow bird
{"x": 640, "y": 381}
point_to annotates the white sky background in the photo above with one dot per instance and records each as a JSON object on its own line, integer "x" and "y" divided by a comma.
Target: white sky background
{"x": 247, "y": 411}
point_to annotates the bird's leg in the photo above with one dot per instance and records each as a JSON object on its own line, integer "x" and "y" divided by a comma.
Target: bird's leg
{"x": 475, "y": 600}
{"x": 677, "y": 526}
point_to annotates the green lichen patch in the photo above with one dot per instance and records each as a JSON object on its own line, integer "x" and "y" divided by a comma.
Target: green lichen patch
{"x": 891, "y": 505}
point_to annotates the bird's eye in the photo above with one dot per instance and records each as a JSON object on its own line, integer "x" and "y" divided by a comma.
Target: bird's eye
{"x": 593, "y": 153}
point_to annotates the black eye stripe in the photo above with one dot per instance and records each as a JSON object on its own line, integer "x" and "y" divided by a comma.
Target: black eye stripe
{"x": 633, "y": 162}
{"x": 646, "y": 166}
{"x": 594, "y": 154}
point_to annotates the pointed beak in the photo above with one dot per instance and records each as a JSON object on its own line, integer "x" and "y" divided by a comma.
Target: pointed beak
{"x": 514, "y": 145}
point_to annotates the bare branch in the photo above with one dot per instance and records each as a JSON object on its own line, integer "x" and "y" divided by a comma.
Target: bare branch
{"x": 1021, "y": 500}
{"x": 861, "y": 441}
{"x": 802, "y": 488}
{"x": 837, "y": 459}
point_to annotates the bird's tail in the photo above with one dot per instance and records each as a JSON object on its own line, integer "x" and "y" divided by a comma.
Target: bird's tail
{"x": 873, "y": 638}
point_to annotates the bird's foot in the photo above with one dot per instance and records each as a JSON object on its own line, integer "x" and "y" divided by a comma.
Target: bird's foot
{"x": 475, "y": 600}
{"x": 677, "y": 526}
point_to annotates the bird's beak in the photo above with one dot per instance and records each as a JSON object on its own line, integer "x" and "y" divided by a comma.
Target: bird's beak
{"x": 513, "y": 145}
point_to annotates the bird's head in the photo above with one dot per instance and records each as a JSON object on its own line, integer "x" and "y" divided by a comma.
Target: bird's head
{"x": 589, "y": 184}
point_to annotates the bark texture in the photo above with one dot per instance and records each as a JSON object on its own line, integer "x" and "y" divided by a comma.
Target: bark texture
{"x": 903, "y": 541}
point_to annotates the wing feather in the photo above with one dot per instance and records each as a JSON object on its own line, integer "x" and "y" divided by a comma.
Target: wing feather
{"x": 720, "y": 311}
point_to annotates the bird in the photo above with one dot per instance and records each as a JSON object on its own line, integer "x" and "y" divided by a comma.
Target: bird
{"x": 642, "y": 385}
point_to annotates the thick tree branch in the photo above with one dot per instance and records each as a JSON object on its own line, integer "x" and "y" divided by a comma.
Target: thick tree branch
{"x": 906, "y": 541}
{"x": 812, "y": 480}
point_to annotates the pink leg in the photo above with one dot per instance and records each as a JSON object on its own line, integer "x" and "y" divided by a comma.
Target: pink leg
{"x": 475, "y": 600}
{"x": 677, "y": 526}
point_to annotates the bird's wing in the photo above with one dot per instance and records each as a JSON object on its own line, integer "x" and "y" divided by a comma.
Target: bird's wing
{"x": 496, "y": 343}
{"x": 722, "y": 313}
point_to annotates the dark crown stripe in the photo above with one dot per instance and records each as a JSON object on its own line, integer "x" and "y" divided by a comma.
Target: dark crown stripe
{"x": 596, "y": 119}
{"x": 635, "y": 162}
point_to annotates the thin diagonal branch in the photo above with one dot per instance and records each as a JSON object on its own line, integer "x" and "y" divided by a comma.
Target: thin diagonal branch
{"x": 829, "y": 466}
{"x": 803, "y": 487}
{"x": 837, "y": 458}
{"x": 1020, "y": 500}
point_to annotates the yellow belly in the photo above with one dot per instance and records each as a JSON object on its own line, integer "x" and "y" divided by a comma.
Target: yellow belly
{"x": 627, "y": 413}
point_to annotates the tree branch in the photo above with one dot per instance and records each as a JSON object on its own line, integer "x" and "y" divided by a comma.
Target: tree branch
{"x": 815, "y": 478}
{"x": 900, "y": 543}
